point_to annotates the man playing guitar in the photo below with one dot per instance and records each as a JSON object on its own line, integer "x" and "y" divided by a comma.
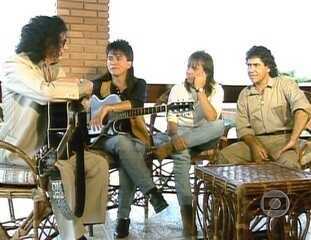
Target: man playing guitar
{"x": 127, "y": 148}
{"x": 31, "y": 79}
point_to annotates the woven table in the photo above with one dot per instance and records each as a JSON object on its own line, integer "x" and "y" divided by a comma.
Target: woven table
{"x": 240, "y": 201}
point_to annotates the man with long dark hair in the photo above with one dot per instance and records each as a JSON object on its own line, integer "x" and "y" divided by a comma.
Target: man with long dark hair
{"x": 193, "y": 130}
{"x": 271, "y": 114}
{"x": 127, "y": 148}
{"x": 31, "y": 79}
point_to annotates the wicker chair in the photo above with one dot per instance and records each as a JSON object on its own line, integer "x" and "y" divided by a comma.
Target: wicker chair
{"x": 306, "y": 163}
{"x": 23, "y": 182}
{"x": 162, "y": 170}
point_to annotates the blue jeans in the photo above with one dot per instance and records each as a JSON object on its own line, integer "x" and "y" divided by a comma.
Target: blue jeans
{"x": 206, "y": 135}
{"x": 130, "y": 154}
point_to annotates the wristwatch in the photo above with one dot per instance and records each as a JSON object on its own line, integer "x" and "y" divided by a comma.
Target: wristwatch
{"x": 199, "y": 90}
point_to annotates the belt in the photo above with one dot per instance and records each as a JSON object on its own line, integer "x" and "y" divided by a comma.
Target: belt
{"x": 276, "y": 133}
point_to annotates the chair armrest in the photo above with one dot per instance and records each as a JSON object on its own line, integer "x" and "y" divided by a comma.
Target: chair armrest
{"x": 223, "y": 141}
{"x": 20, "y": 153}
{"x": 302, "y": 151}
{"x": 161, "y": 100}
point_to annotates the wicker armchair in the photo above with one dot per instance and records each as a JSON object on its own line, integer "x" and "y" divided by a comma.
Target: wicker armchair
{"x": 305, "y": 162}
{"x": 23, "y": 182}
{"x": 162, "y": 170}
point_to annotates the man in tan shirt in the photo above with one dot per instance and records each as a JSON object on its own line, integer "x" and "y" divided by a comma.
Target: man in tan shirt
{"x": 271, "y": 115}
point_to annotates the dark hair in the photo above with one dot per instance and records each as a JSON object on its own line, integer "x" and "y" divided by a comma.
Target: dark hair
{"x": 122, "y": 46}
{"x": 125, "y": 48}
{"x": 39, "y": 35}
{"x": 266, "y": 57}
{"x": 208, "y": 66}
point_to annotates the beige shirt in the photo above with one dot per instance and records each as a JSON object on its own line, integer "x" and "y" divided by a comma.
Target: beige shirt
{"x": 271, "y": 111}
{"x": 26, "y": 89}
{"x": 179, "y": 93}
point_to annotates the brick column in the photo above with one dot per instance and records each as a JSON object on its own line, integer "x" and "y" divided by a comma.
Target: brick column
{"x": 87, "y": 22}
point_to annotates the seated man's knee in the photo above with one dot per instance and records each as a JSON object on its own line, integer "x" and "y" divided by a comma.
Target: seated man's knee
{"x": 220, "y": 124}
{"x": 225, "y": 155}
{"x": 218, "y": 128}
{"x": 95, "y": 164}
{"x": 124, "y": 143}
{"x": 290, "y": 161}
{"x": 221, "y": 158}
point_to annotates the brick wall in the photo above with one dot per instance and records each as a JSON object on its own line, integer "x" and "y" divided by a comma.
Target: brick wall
{"x": 88, "y": 34}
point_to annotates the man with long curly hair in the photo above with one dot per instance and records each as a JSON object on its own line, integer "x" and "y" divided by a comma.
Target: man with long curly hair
{"x": 271, "y": 114}
{"x": 31, "y": 79}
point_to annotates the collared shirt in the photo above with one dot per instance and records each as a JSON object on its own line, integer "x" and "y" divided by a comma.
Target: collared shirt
{"x": 192, "y": 119}
{"x": 39, "y": 82}
{"x": 271, "y": 111}
{"x": 26, "y": 89}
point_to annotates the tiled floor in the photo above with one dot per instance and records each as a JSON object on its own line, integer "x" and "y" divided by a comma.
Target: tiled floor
{"x": 163, "y": 226}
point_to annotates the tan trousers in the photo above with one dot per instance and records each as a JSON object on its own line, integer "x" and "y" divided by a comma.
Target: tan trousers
{"x": 239, "y": 153}
{"x": 96, "y": 173}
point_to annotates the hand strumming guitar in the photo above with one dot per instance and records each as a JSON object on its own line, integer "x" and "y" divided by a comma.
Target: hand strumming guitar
{"x": 97, "y": 121}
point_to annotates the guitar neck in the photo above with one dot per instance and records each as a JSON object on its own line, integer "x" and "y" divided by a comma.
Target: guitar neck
{"x": 137, "y": 112}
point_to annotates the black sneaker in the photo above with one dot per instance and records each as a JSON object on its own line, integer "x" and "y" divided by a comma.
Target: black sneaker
{"x": 122, "y": 228}
{"x": 157, "y": 201}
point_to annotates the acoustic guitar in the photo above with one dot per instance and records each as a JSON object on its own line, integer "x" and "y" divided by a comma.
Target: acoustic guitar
{"x": 113, "y": 123}
{"x": 59, "y": 115}
{"x": 67, "y": 124}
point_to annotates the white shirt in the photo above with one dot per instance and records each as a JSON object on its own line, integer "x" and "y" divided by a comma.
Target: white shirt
{"x": 23, "y": 77}
{"x": 179, "y": 93}
{"x": 25, "y": 92}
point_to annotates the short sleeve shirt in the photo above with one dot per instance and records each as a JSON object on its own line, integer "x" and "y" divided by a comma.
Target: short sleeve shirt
{"x": 179, "y": 93}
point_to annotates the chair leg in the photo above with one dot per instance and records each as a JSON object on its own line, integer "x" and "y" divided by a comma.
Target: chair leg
{"x": 41, "y": 210}
{"x": 11, "y": 209}
{"x": 3, "y": 234}
{"x": 91, "y": 230}
{"x": 36, "y": 221}
{"x": 146, "y": 207}
{"x": 25, "y": 228}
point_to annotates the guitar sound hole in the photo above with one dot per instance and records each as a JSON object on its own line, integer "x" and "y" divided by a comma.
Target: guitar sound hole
{"x": 118, "y": 126}
{"x": 58, "y": 115}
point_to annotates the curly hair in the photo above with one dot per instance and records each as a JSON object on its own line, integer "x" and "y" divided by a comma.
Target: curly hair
{"x": 208, "y": 65}
{"x": 266, "y": 57}
{"x": 39, "y": 35}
